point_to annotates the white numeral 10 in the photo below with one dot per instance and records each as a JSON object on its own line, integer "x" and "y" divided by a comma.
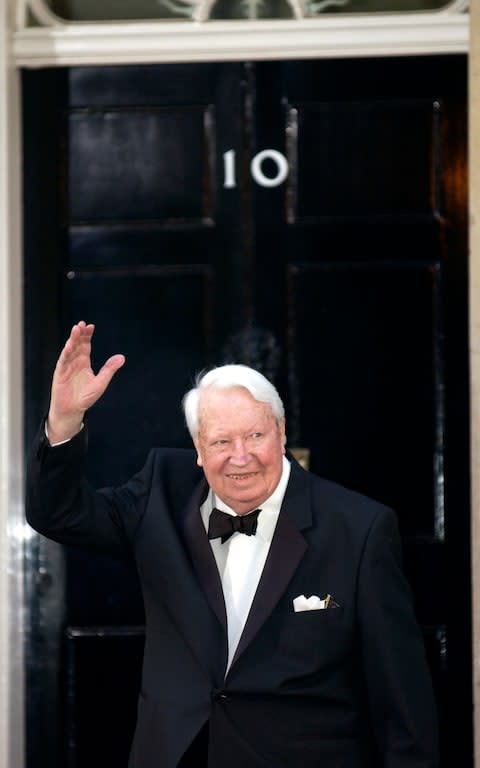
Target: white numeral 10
{"x": 229, "y": 176}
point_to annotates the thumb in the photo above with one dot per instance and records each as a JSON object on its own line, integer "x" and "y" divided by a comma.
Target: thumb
{"x": 109, "y": 369}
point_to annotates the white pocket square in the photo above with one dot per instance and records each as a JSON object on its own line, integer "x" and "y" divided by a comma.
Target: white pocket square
{"x": 313, "y": 603}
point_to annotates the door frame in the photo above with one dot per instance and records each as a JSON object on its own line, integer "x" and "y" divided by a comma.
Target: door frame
{"x": 107, "y": 44}
{"x": 12, "y": 526}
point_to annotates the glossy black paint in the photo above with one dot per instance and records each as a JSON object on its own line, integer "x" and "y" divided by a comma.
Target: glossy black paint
{"x": 348, "y": 284}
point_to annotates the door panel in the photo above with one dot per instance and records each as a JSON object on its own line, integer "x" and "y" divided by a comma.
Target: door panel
{"x": 372, "y": 360}
{"x": 95, "y": 660}
{"x": 361, "y": 148}
{"x": 346, "y": 284}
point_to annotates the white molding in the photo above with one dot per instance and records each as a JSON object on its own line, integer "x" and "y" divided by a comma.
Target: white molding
{"x": 458, "y": 6}
{"x": 327, "y": 37}
{"x": 201, "y": 9}
{"x": 43, "y": 14}
{"x": 11, "y": 409}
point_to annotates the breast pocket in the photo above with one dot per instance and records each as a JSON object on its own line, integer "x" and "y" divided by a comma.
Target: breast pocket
{"x": 313, "y": 637}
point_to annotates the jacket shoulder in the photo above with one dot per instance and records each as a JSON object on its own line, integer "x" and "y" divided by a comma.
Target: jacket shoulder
{"x": 175, "y": 470}
{"x": 346, "y": 502}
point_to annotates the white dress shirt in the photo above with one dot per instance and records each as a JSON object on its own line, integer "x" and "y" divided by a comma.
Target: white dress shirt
{"x": 241, "y": 559}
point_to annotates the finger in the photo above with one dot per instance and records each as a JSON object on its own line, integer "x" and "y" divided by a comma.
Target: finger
{"x": 82, "y": 330}
{"x": 109, "y": 369}
{"x": 115, "y": 362}
{"x": 78, "y": 343}
{"x": 81, "y": 333}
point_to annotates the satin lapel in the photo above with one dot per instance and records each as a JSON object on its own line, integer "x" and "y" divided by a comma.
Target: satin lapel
{"x": 201, "y": 554}
{"x": 286, "y": 551}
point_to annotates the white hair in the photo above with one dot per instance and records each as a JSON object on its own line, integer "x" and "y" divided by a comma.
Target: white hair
{"x": 228, "y": 377}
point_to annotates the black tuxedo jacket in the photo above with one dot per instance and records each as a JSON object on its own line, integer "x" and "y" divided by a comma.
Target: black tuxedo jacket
{"x": 330, "y": 688}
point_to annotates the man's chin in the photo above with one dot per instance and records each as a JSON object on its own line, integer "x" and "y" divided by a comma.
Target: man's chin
{"x": 243, "y": 502}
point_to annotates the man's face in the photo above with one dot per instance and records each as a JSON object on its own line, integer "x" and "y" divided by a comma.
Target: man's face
{"x": 240, "y": 447}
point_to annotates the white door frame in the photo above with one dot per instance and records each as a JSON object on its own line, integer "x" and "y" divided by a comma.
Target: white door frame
{"x": 11, "y": 408}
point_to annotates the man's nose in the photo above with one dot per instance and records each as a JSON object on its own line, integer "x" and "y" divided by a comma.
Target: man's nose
{"x": 240, "y": 453}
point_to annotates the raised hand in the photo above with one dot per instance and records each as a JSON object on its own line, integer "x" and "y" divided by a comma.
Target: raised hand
{"x": 75, "y": 387}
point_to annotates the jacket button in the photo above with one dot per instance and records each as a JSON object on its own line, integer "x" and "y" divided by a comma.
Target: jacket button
{"x": 219, "y": 695}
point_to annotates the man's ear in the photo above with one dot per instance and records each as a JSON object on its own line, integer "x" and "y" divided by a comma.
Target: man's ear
{"x": 199, "y": 458}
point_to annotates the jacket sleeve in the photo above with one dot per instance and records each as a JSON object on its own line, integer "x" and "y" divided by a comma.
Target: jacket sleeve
{"x": 61, "y": 505}
{"x": 397, "y": 676}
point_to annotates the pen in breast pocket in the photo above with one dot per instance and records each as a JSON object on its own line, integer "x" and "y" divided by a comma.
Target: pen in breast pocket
{"x": 330, "y": 602}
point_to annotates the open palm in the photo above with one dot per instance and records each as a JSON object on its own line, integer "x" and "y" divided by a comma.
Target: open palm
{"x": 75, "y": 386}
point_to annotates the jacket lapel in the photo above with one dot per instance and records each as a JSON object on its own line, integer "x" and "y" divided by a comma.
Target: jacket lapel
{"x": 286, "y": 551}
{"x": 201, "y": 554}
{"x": 175, "y": 583}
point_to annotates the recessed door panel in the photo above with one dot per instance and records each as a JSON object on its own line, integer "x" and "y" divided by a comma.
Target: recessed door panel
{"x": 368, "y": 367}
{"x": 141, "y": 164}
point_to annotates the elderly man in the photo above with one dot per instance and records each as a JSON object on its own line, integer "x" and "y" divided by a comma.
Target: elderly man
{"x": 280, "y": 631}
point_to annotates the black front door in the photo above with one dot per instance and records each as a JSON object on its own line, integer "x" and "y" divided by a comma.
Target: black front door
{"x": 304, "y": 217}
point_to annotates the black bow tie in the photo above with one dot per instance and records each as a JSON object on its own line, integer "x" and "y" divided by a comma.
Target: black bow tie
{"x": 222, "y": 525}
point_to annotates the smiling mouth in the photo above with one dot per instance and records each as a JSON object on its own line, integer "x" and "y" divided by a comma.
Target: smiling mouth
{"x": 246, "y": 476}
